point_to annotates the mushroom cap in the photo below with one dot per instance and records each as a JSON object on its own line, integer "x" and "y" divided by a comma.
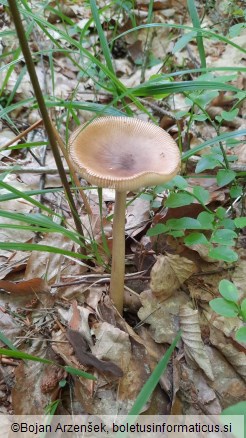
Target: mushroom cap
{"x": 123, "y": 153}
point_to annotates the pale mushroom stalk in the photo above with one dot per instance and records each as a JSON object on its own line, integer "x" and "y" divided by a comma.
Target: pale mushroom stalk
{"x": 124, "y": 154}
{"x": 118, "y": 261}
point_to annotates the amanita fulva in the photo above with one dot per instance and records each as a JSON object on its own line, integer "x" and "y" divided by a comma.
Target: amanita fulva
{"x": 124, "y": 154}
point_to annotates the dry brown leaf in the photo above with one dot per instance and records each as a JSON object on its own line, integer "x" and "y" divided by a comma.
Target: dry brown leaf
{"x": 169, "y": 273}
{"x": 27, "y": 395}
{"x": 239, "y": 274}
{"x": 111, "y": 344}
{"x": 228, "y": 385}
{"x": 234, "y": 356}
{"x": 203, "y": 251}
{"x": 228, "y": 326}
{"x": 162, "y": 316}
{"x": 29, "y": 287}
{"x": 194, "y": 348}
{"x": 50, "y": 265}
{"x": 231, "y": 54}
{"x": 195, "y": 394}
{"x": 137, "y": 216}
{"x": 85, "y": 358}
{"x": 240, "y": 152}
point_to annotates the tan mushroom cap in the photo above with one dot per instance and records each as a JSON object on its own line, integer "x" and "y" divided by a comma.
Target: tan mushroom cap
{"x": 123, "y": 153}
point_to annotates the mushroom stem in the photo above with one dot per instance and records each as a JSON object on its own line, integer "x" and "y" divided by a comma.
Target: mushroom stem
{"x": 118, "y": 258}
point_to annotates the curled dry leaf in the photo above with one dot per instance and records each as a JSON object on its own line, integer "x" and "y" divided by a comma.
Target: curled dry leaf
{"x": 194, "y": 348}
{"x": 169, "y": 273}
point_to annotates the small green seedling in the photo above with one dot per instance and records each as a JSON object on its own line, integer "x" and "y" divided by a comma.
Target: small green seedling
{"x": 230, "y": 306}
{"x": 214, "y": 229}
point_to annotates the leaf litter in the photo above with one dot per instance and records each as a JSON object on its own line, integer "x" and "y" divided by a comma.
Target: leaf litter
{"x": 207, "y": 372}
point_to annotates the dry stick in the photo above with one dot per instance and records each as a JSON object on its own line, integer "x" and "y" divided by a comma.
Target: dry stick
{"x": 46, "y": 119}
{"x": 22, "y": 134}
{"x": 74, "y": 176}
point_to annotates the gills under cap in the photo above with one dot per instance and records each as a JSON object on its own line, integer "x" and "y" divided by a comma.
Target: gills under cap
{"x": 123, "y": 153}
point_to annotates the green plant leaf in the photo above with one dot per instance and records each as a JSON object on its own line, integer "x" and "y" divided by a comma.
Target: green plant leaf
{"x": 224, "y": 237}
{"x": 220, "y": 212}
{"x": 200, "y": 117}
{"x": 176, "y": 233}
{"x": 183, "y": 41}
{"x": 196, "y": 238}
{"x": 243, "y": 309}
{"x": 157, "y": 229}
{"x": 206, "y": 220}
{"x": 184, "y": 223}
{"x": 228, "y": 291}
{"x": 236, "y": 191}
{"x": 225, "y": 176}
{"x": 224, "y": 253}
{"x": 179, "y": 199}
{"x": 201, "y": 194}
{"x": 224, "y": 307}
{"x": 207, "y": 162}
{"x": 229, "y": 115}
{"x": 180, "y": 182}
{"x": 241, "y": 335}
{"x": 79, "y": 373}
{"x": 236, "y": 29}
{"x": 237, "y": 409}
{"x": 240, "y": 222}
{"x": 227, "y": 223}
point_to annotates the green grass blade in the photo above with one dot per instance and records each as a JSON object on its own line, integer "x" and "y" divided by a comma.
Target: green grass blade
{"x": 28, "y": 198}
{"x": 21, "y": 355}
{"x": 152, "y": 88}
{"x": 196, "y": 23}
{"x": 13, "y": 246}
{"x": 103, "y": 40}
{"x": 42, "y": 221}
{"x": 21, "y": 103}
{"x": 212, "y": 141}
{"x": 153, "y": 380}
{"x": 79, "y": 373}
{"x": 10, "y": 196}
{"x": 7, "y": 342}
{"x": 204, "y": 32}
{"x": 88, "y": 106}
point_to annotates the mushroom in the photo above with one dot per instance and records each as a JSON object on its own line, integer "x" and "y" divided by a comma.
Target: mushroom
{"x": 124, "y": 154}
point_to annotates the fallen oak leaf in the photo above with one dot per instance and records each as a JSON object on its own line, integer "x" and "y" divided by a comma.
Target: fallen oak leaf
{"x": 27, "y": 287}
{"x": 86, "y": 358}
